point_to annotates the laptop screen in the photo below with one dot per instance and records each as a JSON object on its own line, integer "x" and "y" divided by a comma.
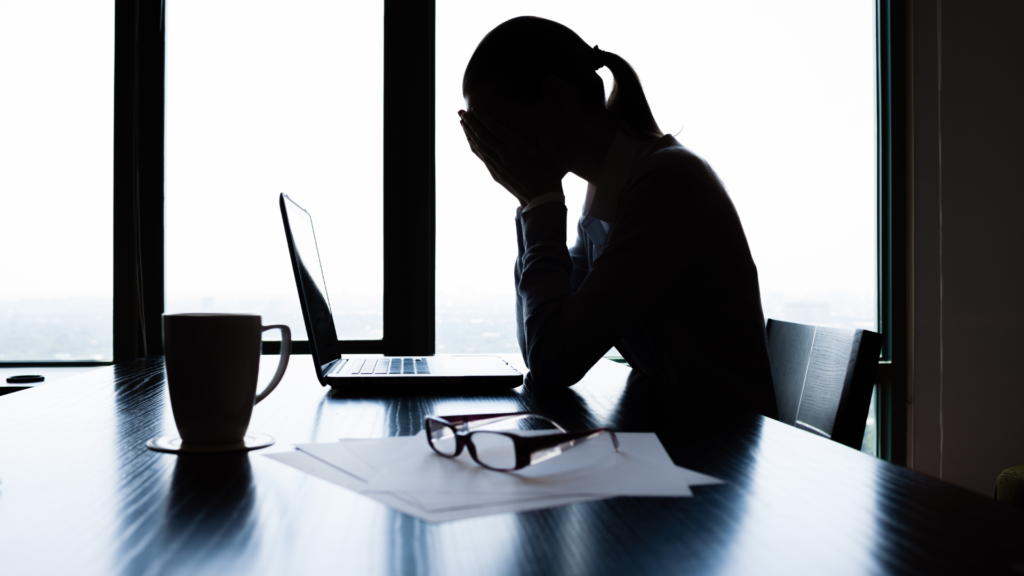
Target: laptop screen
{"x": 312, "y": 287}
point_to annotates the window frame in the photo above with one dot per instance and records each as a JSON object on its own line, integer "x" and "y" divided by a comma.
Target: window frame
{"x": 892, "y": 150}
{"x": 408, "y": 193}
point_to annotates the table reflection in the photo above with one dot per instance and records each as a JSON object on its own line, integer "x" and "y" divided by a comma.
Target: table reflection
{"x": 779, "y": 517}
{"x": 207, "y": 515}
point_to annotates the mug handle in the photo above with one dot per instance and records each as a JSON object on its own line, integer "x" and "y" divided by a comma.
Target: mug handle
{"x": 286, "y": 351}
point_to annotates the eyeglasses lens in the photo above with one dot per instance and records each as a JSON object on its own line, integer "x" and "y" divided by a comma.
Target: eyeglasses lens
{"x": 495, "y": 450}
{"x": 442, "y": 438}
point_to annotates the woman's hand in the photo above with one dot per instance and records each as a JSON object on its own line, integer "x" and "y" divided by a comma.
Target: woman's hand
{"x": 522, "y": 168}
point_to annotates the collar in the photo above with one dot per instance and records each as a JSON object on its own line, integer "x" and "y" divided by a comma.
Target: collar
{"x": 603, "y": 197}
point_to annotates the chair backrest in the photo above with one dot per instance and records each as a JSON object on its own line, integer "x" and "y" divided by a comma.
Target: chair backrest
{"x": 823, "y": 378}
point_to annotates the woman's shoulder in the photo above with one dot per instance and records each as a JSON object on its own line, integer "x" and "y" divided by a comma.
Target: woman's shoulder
{"x": 667, "y": 154}
{"x": 668, "y": 167}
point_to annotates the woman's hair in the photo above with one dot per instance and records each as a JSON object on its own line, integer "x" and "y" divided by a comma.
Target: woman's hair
{"x": 519, "y": 54}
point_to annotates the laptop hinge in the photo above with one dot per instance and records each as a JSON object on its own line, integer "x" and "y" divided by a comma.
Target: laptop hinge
{"x": 326, "y": 369}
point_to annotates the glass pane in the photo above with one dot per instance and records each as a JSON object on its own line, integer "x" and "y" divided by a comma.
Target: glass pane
{"x": 56, "y": 173}
{"x": 778, "y": 97}
{"x": 869, "y": 444}
{"x": 267, "y": 97}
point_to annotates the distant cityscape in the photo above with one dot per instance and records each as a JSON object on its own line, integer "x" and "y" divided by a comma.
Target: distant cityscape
{"x": 81, "y": 328}
{"x": 56, "y": 329}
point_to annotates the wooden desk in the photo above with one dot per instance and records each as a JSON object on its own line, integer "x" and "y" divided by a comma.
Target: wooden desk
{"x": 80, "y": 493}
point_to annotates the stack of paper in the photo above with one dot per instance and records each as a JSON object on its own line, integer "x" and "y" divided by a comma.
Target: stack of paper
{"x": 405, "y": 474}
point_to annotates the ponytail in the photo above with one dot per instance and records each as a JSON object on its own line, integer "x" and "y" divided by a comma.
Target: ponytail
{"x": 519, "y": 53}
{"x": 627, "y": 102}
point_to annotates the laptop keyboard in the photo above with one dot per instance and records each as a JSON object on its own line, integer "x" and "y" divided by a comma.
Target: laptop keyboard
{"x": 378, "y": 366}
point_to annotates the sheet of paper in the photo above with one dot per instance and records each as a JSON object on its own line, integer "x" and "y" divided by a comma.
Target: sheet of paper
{"x": 640, "y": 468}
{"x": 403, "y": 473}
{"x": 403, "y": 503}
{"x": 444, "y": 501}
{"x": 379, "y": 452}
{"x": 504, "y": 508}
{"x": 361, "y": 457}
{"x": 341, "y": 456}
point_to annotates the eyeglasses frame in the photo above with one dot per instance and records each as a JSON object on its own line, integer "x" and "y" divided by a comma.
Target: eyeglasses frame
{"x": 525, "y": 446}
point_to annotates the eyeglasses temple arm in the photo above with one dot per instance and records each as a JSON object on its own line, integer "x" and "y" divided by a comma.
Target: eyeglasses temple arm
{"x": 555, "y": 444}
{"x": 473, "y": 421}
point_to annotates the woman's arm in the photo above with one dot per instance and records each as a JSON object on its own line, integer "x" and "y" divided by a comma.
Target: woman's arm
{"x": 520, "y": 327}
{"x": 580, "y": 268}
{"x": 566, "y": 329}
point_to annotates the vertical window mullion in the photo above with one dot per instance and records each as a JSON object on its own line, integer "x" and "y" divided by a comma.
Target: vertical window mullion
{"x": 409, "y": 177}
{"x": 138, "y": 179}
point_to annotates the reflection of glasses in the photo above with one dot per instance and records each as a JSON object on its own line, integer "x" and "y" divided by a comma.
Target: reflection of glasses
{"x": 503, "y": 451}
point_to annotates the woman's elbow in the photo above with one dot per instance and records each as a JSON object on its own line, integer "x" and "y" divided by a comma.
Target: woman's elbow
{"x": 552, "y": 375}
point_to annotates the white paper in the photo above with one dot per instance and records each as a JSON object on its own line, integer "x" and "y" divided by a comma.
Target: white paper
{"x": 640, "y": 468}
{"x": 310, "y": 465}
{"x": 379, "y": 452}
{"x": 405, "y": 474}
{"x": 443, "y": 501}
{"x": 340, "y": 456}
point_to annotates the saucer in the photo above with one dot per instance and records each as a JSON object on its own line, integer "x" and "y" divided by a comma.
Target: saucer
{"x": 174, "y": 445}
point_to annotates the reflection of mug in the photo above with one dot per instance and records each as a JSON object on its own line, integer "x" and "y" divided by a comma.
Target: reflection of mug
{"x": 208, "y": 518}
{"x": 212, "y": 363}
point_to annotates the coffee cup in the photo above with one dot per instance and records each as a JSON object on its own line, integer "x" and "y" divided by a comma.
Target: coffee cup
{"x": 212, "y": 363}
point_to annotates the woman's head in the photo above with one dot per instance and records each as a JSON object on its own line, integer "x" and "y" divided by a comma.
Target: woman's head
{"x": 522, "y": 58}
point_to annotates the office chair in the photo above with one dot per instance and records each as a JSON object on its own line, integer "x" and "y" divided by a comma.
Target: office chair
{"x": 823, "y": 378}
{"x": 1010, "y": 486}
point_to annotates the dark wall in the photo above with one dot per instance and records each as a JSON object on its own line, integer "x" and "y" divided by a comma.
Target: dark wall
{"x": 982, "y": 138}
{"x": 969, "y": 240}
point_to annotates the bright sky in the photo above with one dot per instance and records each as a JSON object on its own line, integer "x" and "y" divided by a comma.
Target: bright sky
{"x": 56, "y": 148}
{"x": 266, "y": 97}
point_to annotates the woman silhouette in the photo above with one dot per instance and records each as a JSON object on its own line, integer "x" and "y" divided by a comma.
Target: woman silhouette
{"x": 661, "y": 268}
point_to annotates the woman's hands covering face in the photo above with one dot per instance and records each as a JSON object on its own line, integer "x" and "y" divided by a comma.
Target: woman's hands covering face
{"x": 523, "y": 168}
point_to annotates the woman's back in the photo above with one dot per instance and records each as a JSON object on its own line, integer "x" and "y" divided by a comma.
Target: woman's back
{"x": 672, "y": 286}
{"x": 710, "y": 321}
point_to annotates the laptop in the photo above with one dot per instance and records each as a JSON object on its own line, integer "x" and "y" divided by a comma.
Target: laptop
{"x": 475, "y": 373}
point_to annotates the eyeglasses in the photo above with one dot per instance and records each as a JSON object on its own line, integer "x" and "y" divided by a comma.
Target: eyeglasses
{"x": 503, "y": 451}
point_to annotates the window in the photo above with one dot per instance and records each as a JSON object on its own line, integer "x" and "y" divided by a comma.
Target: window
{"x": 778, "y": 97}
{"x": 263, "y": 98}
{"x": 56, "y": 228}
